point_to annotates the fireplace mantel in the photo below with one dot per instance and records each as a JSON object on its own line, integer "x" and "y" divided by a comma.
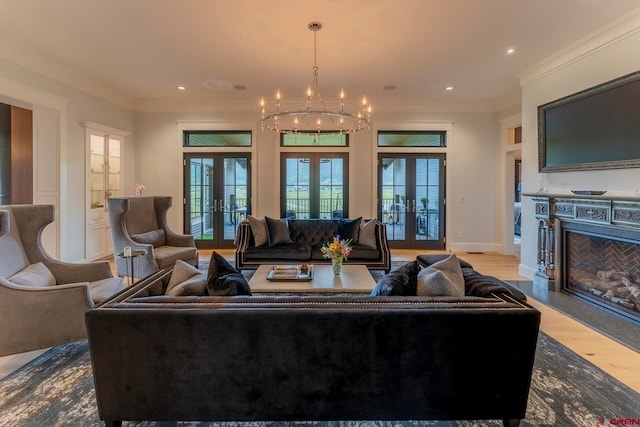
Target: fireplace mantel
{"x": 622, "y": 211}
{"x": 611, "y": 211}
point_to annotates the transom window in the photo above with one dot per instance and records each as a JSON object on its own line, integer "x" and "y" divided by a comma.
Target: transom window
{"x": 316, "y": 140}
{"x": 412, "y": 139}
{"x": 208, "y": 138}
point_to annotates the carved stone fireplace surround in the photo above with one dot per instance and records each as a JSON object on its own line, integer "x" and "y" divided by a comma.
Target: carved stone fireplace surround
{"x": 589, "y": 246}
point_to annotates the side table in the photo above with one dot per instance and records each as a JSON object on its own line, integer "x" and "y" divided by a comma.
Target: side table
{"x": 131, "y": 256}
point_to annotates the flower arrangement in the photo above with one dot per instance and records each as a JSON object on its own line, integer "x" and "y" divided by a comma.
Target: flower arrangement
{"x": 338, "y": 250}
{"x": 137, "y": 189}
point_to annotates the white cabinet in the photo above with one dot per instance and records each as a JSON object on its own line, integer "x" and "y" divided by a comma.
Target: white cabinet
{"x": 104, "y": 180}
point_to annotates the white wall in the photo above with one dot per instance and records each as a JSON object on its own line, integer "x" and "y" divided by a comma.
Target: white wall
{"x": 472, "y": 219}
{"x": 613, "y": 55}
{"x": 80, "y": 107}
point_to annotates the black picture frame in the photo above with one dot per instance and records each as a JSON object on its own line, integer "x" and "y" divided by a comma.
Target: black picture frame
{"x": 597, "y": 128}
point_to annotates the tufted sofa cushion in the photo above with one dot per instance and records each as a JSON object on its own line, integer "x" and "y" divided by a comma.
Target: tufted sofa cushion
{"x": 312, "y": 233}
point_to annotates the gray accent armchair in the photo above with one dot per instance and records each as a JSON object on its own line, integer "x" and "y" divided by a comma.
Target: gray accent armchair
{"x": 140, "y": 222}
{"x": 35, "y": 315}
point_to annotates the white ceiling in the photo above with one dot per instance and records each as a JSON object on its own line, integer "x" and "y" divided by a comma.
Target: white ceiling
{"x": 141, "y": 50}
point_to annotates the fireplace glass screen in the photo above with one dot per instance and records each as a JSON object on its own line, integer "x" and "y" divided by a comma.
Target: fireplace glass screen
{"x": 604, "y": 270}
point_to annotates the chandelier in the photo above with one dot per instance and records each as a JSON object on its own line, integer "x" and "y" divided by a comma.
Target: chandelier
{"x": 314, "y": 117}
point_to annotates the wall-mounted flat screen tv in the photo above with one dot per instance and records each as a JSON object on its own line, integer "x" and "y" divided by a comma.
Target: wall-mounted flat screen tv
{"x": 597, "y": 128}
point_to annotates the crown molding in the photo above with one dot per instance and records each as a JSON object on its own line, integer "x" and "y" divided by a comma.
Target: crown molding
{"x": 29, "y": 60}
{"x": 613, "y": 32}
{"x": 204, "y": 105}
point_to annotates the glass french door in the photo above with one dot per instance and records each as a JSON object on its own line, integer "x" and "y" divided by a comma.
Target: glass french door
{"x": 411, "y": 199}
{"x": 314, "y": 185}
{"x": 217, "y": 196}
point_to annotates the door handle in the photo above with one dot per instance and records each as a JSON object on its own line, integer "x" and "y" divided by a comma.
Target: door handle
{"x": 215, "y": 205}
{"x": 222, "y": 205}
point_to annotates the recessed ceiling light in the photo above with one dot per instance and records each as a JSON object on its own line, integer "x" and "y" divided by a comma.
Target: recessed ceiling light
{"x": 511, "y": 51}
{"x": 448, "y": 88}
{"x": 389, "y": 87}
{"x": 182, "y": 88}
{"x": 240, "y": 87}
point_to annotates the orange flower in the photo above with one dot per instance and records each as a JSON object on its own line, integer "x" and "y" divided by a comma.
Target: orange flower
{"x": 337, "y": 248}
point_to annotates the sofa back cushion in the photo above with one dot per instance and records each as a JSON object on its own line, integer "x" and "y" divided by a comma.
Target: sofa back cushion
{"x": 312, "y": 231}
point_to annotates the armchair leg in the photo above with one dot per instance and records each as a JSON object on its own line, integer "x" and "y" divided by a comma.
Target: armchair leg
{"x": 510, "y": 422}
{"x": 113, "y": 423}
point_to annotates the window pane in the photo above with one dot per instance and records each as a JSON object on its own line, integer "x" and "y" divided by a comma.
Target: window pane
{"x": 331, "y": 188}
{"x": 411, "y": 139}
{"x": 198, "y": 138}
{"x": 394, "y": 192}
{"x": 297, "y": 194}
{"x": 290, "y": 140}
{"x": 200, "y": 197}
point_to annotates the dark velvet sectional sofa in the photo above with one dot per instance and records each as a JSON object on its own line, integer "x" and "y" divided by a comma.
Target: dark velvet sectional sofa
{"x": 306, "y": 237}
{"x": 302, "y": 357}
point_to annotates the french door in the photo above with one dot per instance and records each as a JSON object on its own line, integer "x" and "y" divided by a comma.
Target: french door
{"x": 411, "y": 199}
{"x": 314, "y": 185}
{"x": 217, "y": 196}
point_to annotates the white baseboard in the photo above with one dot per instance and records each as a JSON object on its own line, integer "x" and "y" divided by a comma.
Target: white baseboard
{"x": 527, "y": 271}
{"x": 475, "y": 247}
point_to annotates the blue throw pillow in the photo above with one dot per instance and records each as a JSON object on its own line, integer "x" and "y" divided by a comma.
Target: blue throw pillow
{"x": 349, "y": 229}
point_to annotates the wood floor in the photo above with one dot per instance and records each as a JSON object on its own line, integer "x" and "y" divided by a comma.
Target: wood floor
{"x": 610, "y": 356}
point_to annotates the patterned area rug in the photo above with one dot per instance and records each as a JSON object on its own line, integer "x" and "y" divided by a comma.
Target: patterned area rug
{"x": 56, "y": 389}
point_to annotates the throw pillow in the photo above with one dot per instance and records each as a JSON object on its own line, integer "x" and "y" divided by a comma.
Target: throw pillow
{"x": 442, "y": 278}
{"x": 225, "y": 280}
{"x": 399, "y": 281}
{"x": 228, "y": 285}
{"x": 367, "y": 234}
{"x": 194, "y": 286}
{"x": 181, "y": 272}
{"x": 34, "y": 275}
{"x": 156, "y": 238}
{"x": 349, "y": 228}
{"x": 278, "y": 231}
{"x": 218, "y": 266}
{"x": 259, "y": 230}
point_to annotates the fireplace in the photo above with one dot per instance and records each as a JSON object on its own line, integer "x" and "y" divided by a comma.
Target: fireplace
{"x": 602, "y": 264}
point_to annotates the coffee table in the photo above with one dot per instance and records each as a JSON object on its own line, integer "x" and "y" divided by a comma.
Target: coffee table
{"x": 353, "y": 278}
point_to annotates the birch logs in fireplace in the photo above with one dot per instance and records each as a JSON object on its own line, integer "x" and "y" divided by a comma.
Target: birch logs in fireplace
{"x": 618, "y": 287}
